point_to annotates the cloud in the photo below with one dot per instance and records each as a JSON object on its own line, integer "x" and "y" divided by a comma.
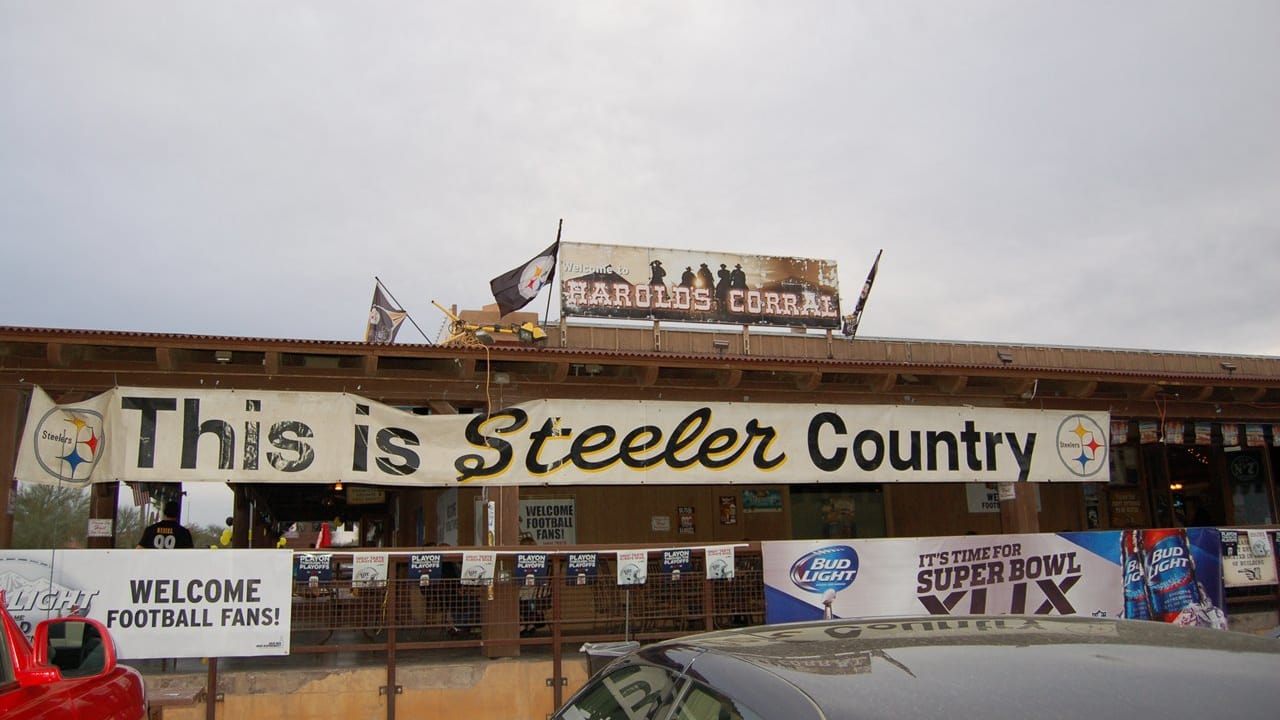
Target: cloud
{"x": 1056, "y": 173}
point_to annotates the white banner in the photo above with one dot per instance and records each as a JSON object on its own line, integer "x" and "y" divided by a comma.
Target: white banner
{"x": 478, "y": 567}
{"x": 155, "y": 435}
{"x": 720, "y": 564}
{"x": 1040, "y": 574}
{"x": 633, "y": 567}
{"x": 160, "y": 603}
{"x": 369, "y": 569}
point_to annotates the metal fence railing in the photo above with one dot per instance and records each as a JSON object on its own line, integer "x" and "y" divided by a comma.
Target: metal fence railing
{"x": 447, "y": 611}
{"x": 507, "y": 616}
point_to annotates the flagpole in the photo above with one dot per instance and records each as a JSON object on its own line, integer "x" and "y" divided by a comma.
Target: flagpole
{"x": 547, "y": 313}
{"x": 406, "y": 312}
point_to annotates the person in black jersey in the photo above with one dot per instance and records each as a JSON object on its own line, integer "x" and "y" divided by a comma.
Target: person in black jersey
{"x": 168, "y": 533}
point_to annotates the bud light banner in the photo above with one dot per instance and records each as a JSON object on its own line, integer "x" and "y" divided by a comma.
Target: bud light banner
{"x": 1175, "y": 576}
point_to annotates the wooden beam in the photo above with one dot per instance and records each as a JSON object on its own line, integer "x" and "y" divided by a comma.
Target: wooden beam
{"x": 1082, "y": 389}
{"x": 883, "y": 383}
{"x": 1203, "y": 393}
{"x": 1019, "y": 386}
{"x": 808, "y": 382}
{"x": 1248, "y": 394}
{"x": 646, "y": 375}
{"x": 728, "y": 378}
{"x": 1142, "y": 392}
{"x": 164, "y": 358}
{"x": 559, "y": 371}
{"x": 56, "y": 355}
{"x": 466, "y": 367}
{"x": 952, "y": 384}
{"x": 442, "y": 407}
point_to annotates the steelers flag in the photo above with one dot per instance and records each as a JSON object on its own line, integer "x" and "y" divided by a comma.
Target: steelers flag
{"x": 852, "y": 319}
{"x": 513, "y": 290}
{"x": 384, "y": 319}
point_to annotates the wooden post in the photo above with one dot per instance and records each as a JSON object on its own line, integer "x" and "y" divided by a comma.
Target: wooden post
{"x": 1018, "y": 508}
{"x": 502, "y": 612}
{"x": 241, "y": 520}
{"x": 103, "y": 499}
{"x": 211, "y": 690}
{"x": 13, "y": 406}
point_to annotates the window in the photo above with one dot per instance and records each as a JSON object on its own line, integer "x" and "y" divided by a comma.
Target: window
{"x": 6, "y": 663}
{"x": 630, "y": 693}
{"x": 703, "y": 703}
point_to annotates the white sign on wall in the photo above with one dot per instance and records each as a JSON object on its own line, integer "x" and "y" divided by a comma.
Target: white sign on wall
{"x": 160, "y": 603}
{"x": 99, "y": 527}
{"x": 549, "y": 521}
{"x": 986, "y": 497}
{"x": 1249, "y": 557}
{"x": 369, "y": 569}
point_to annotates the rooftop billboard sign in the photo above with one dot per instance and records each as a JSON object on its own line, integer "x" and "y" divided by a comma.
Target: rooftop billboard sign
{"x": 617, "y": 281}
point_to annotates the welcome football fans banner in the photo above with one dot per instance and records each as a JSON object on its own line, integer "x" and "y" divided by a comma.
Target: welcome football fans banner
{"x": 160, "y": 603}
{"x": 167, "y": 435}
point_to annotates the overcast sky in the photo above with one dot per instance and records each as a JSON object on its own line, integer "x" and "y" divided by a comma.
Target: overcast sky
{"x": 1086, "y": 173}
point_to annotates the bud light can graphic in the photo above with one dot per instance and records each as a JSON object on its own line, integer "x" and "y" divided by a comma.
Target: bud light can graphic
{"x": 1160, "y": 580}
{"x": 1136, "y": 604}
{"x": 1171, "y": 577}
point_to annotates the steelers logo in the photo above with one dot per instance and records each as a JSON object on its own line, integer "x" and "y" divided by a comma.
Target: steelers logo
{"x": 1082, "y": 445}
{"x": 68, "y": 443}
{"x": 535, "y": 275}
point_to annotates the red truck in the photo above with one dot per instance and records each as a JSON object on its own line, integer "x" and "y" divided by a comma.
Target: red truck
{"x": 67, "y": 672}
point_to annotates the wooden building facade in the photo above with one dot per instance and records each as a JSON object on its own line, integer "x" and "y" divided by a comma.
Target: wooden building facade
{"x": 1194, "y": 435}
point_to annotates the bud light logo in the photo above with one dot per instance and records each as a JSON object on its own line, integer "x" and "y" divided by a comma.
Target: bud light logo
{"x": 829, "y": 568}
